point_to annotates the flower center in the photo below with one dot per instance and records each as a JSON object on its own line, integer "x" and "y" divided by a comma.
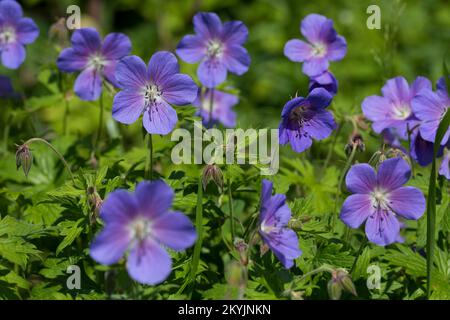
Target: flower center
{"x": 319, "y": 50}
{"x": 7, "y": 35}
{"x": 97, "y": 61}
{"x": 214, "y": 49}
{"x": 152, "y": 94}
{"x": 267, "y": 228}
{"x": 380, "y": 199}
{"x": 141, "y": 229}
{"x": 402, "y": 112}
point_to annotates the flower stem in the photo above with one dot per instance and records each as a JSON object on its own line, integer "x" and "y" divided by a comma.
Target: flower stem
{"x": 149, "y": 160}
{"x": 100, "y": 124}
{"x": 211, "y": 105}
{"x": 66, "y": 114}
{"x": 60, "y": 156}
{"x": 231, "y": 211}
{"x": 409, "y": 149}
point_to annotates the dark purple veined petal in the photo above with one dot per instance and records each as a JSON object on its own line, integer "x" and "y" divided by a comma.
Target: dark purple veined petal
{"x": 266, "y": 194}
{"x": 88, "y": 85}
{"x": 149, "y": 263}
{"x": 321, "y": 125}
{"x": 382, "y": 228}
{"x": 70, "y": 61}
{"x": 315, "y": 66}
{"x": 337, "y": 49}
{"x": 421, "y": 149}
{"x": 356, "y": 209}
{"x": 317, "y": 29}
{"x": 211, "y": 72}
{"x": 128, "y": 105}
{"x": 291, "y": 104}
{"x": 10, "y": 11}
{"x": 160, "y": 118}
{"x": 297, "y": 50}
{"x": 27, "y": 31}
{"x": 319, "y": 98}
{"x": 131, "y": 72}
{"x": 234, "y": 32}
{"x": 110, "y": 244}
{"x": 116, "y": 46}
{"x": 408, "y": 202}
{"x": 393, "y": 173}
{"x": 361, "y": 178}
{"x": 397, "y": 90}
{"x": 298, "y": 141}
{"x": 162, "y": 66}
{"x": 86, "y": 41}
{"x": 192, "y": 48}
{"x": 236, "y": 59}
{"x": 207, "y": 25}
{"x": 442, "y": 89}
{"x": 109, "y": 72}
{"x": 174, "y": 230}
{"x": 284, "y": 245}
{"x": 13, "y": 55}
{"x": 444, "y": 169}
{"x": 120, "y": 207}
{"x": 179, "y": 89}
{"x": 325, "y": 80}
{"x": 275, "y": 212}
{"x": 154, "y": 198}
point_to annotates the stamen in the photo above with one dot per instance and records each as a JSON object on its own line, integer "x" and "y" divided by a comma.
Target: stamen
{"x": 214, "y": 49}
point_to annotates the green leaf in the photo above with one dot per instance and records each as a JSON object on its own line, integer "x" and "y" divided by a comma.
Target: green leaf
{"x": 71, "y": 233}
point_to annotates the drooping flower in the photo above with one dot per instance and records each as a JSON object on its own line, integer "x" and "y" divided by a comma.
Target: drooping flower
{"x": 393, "y": 109}
{"x": 15, "y": 32}
{"x": 422, "y": 150}
{"x": 140, "y": 225}
{"x": 325, "y": 80}
{"x": 97, "y": 61}
{"x": 273, "y": 221}
{"x": 150, "y": 91}
{"x": 379, "y": 198}
{"x": 304, "y": 119}
{"x": 222, "y": 104}
{"x": 323, "y": 45}
{"x": 218, "y": 47}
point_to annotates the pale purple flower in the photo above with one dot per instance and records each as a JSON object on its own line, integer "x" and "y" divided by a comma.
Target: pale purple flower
{"x": 305, "y": 119}
{"x": 222, "y": 107}
{"x": 323, "y": 45}
{"x": 273, "y": 220}
{"x": 150, "y": 91}
{"x": 325, "y": 80}
{"x": 97, "y": 61}
{"x": 444, "y": 169}
{"x": 218, "y": 47}
{"x": 393, "y": 109}
{"x": 15, "y": 32}
{"x": 140, "y": 226}
{"x": 379, "y": 198}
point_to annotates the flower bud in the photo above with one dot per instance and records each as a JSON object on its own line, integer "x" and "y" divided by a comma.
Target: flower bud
{"x": 58, "y": 33}
{"x": 241, "y": 247}
{"x": 340, "y": 281}
{"x": 211, "y": 172}
{"x": 334, "y": 290}
{"x": 24, "y": 158}
{"x": 95, "y": 203}
{"x": 356, "y": 141}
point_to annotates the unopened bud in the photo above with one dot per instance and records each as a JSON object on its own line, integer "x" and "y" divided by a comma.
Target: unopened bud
{"x": 340, "y": 281}
{"x": 95, "y": 203}
{"x": 242, "y": 247}
{"x": 212, "y": 172}
{"x": 59, "y": 33}
{"x": 356, "y": 141}
{"x": 24, "y": 158}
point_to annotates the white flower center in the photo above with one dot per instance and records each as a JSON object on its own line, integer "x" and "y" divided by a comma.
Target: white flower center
{"x": 140, "y": 229}
{"x": 214, "y": 49}
{"x": 7, "y": 35}
{"x": 97, "y": 61}
{"x": 402, "y": 112}
{"x": 380, "y": 199}
{"x": 152, "y": 94}
{"x": 319, "y": 50}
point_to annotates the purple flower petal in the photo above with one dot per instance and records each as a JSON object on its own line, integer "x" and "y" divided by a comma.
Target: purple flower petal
{"x": 192, "y": 48}
{"x": 174, "y": 230}
{"x": 27, "y": 31}
{"x": 321, "y": 125}
{"x": 116, "y": 46}
{"x": 119, "y": 207}
{"x": 421, "y": 149}
{"x": 160, "y": 118}
{"x": 266, "y": 194}
{"x": 162, "y": 66}
{"x": 275, "y": 212}
{"x": 88, "y": 85}
{"x": 110, "y": 244}
{"x": 397, "y": 90}
{"x": 207, "y": 25}
{"x": 297, "y": 50}
{"x": 319, "y": 98}
{"x": 382, "y": 228}
{"x": 393, "y": 173}
{"x": 10, "y": 11}
{"x": 299, "y": 142}
{"x": 234, "y": 32}
{"x": 154, "y": 198}
{"x": 236, "y": 59}
{"x": 444, "y": 169}
{"x": 284, "y": 245}
{"x": 149, "y": 263}
{"x": 317, "y": 28}
{"x": 315, "y": 66}
{"x": 70, "y": 61}
{"x": 356, "y": 209}
{"x": 109, "y": 72}
{"x": 377, "y": 109}
{"x": 128, "y": 106}
{"x": 131, "y": 72}
{"x": 211, "y": 72}
{"x": 13, "y": 55}
{"x": 179, "y": 89}
{"x": 408, "y": 202}
{"x": 361, "y": 178}
{"x": 421, "y": 83}
{"x": 86, "y": 41}
{"x": 337, "y": 49}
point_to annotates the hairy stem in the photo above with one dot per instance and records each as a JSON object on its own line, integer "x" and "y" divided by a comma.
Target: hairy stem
{"x": 149, "y": 159}
{"x": 231, "y": 211}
